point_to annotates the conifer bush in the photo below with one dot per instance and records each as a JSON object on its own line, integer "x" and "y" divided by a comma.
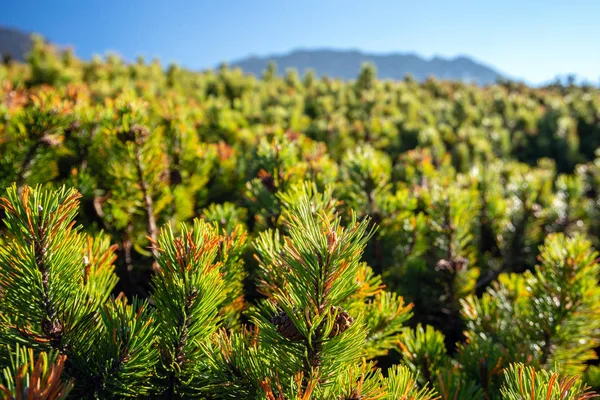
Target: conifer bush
{"x": 211, "y": 235}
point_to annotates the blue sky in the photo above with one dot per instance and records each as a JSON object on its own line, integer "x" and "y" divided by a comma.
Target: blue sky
{"x": 530, "y": 39}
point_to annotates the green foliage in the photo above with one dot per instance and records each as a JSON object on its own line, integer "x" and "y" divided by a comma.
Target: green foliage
{"x": 545, "y": 317}
{"x": 525, "y": 382}
{"x": 408, "y": 235}
{"x": 311, "y": 282}
{"x": 187, "y": 290}
{"x": 121, "y": 358}
{"x": 402, "y": 385}
{"x": 53, "y": 278}
{"x": 38, "y": 377}
{"x": 424, "y": 352}
{"x": 49, "y": 66}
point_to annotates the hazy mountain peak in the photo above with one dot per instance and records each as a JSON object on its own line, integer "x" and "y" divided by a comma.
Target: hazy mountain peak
{"x": 345, "y": 64}
{"x": 14, "y": 44}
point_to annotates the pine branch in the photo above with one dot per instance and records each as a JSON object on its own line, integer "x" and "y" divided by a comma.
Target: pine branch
{"x": 31, "y": 377}
{"x": 124, "y": 357}
{"x": 26, "y": 164}
{"x": 188, "y": 290}
{"x": 525, "y": 382}
{"x": 148, "y": 202}
{"x": 309, "y": 278}
{"x": 54, "y": 279}
{"x": 42, "y": 231}
{"x": 402, "y": 384}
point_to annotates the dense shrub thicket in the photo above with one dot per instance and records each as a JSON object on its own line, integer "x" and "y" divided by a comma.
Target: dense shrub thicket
{"x": 173, "y": 234}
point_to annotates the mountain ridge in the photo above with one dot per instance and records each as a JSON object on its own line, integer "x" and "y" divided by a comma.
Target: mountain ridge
{"x": 14, "y": 43}
{"x": 345, "y": 64}
{"x": 335, "y": 63}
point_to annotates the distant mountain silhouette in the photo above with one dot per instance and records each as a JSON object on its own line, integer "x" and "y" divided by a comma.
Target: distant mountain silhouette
{"x": 14, "y": 44}
{"x": 346, "y": 65}
{"x": 343, "y": 64}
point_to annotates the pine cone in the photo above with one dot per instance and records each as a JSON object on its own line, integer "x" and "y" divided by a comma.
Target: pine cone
{"x": 456, "y": 265}
{"x": 141, "y": 133}
{"x": 267, "y": 180}
{"x": 444, "y": 265}
{"x": 342, "y": 322}
{"x": 72, "y": 128}
{"x": 175, "y": 177}
{"x": 286, "y": 327}
{"x": 137, "y": 133}
{"x": 126, "y": 136}
{"x": 355, "y": 395}
{"x": 461, "y": 263}
{"x": 53, "y": 329}
{"x": 50, "y": 140}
